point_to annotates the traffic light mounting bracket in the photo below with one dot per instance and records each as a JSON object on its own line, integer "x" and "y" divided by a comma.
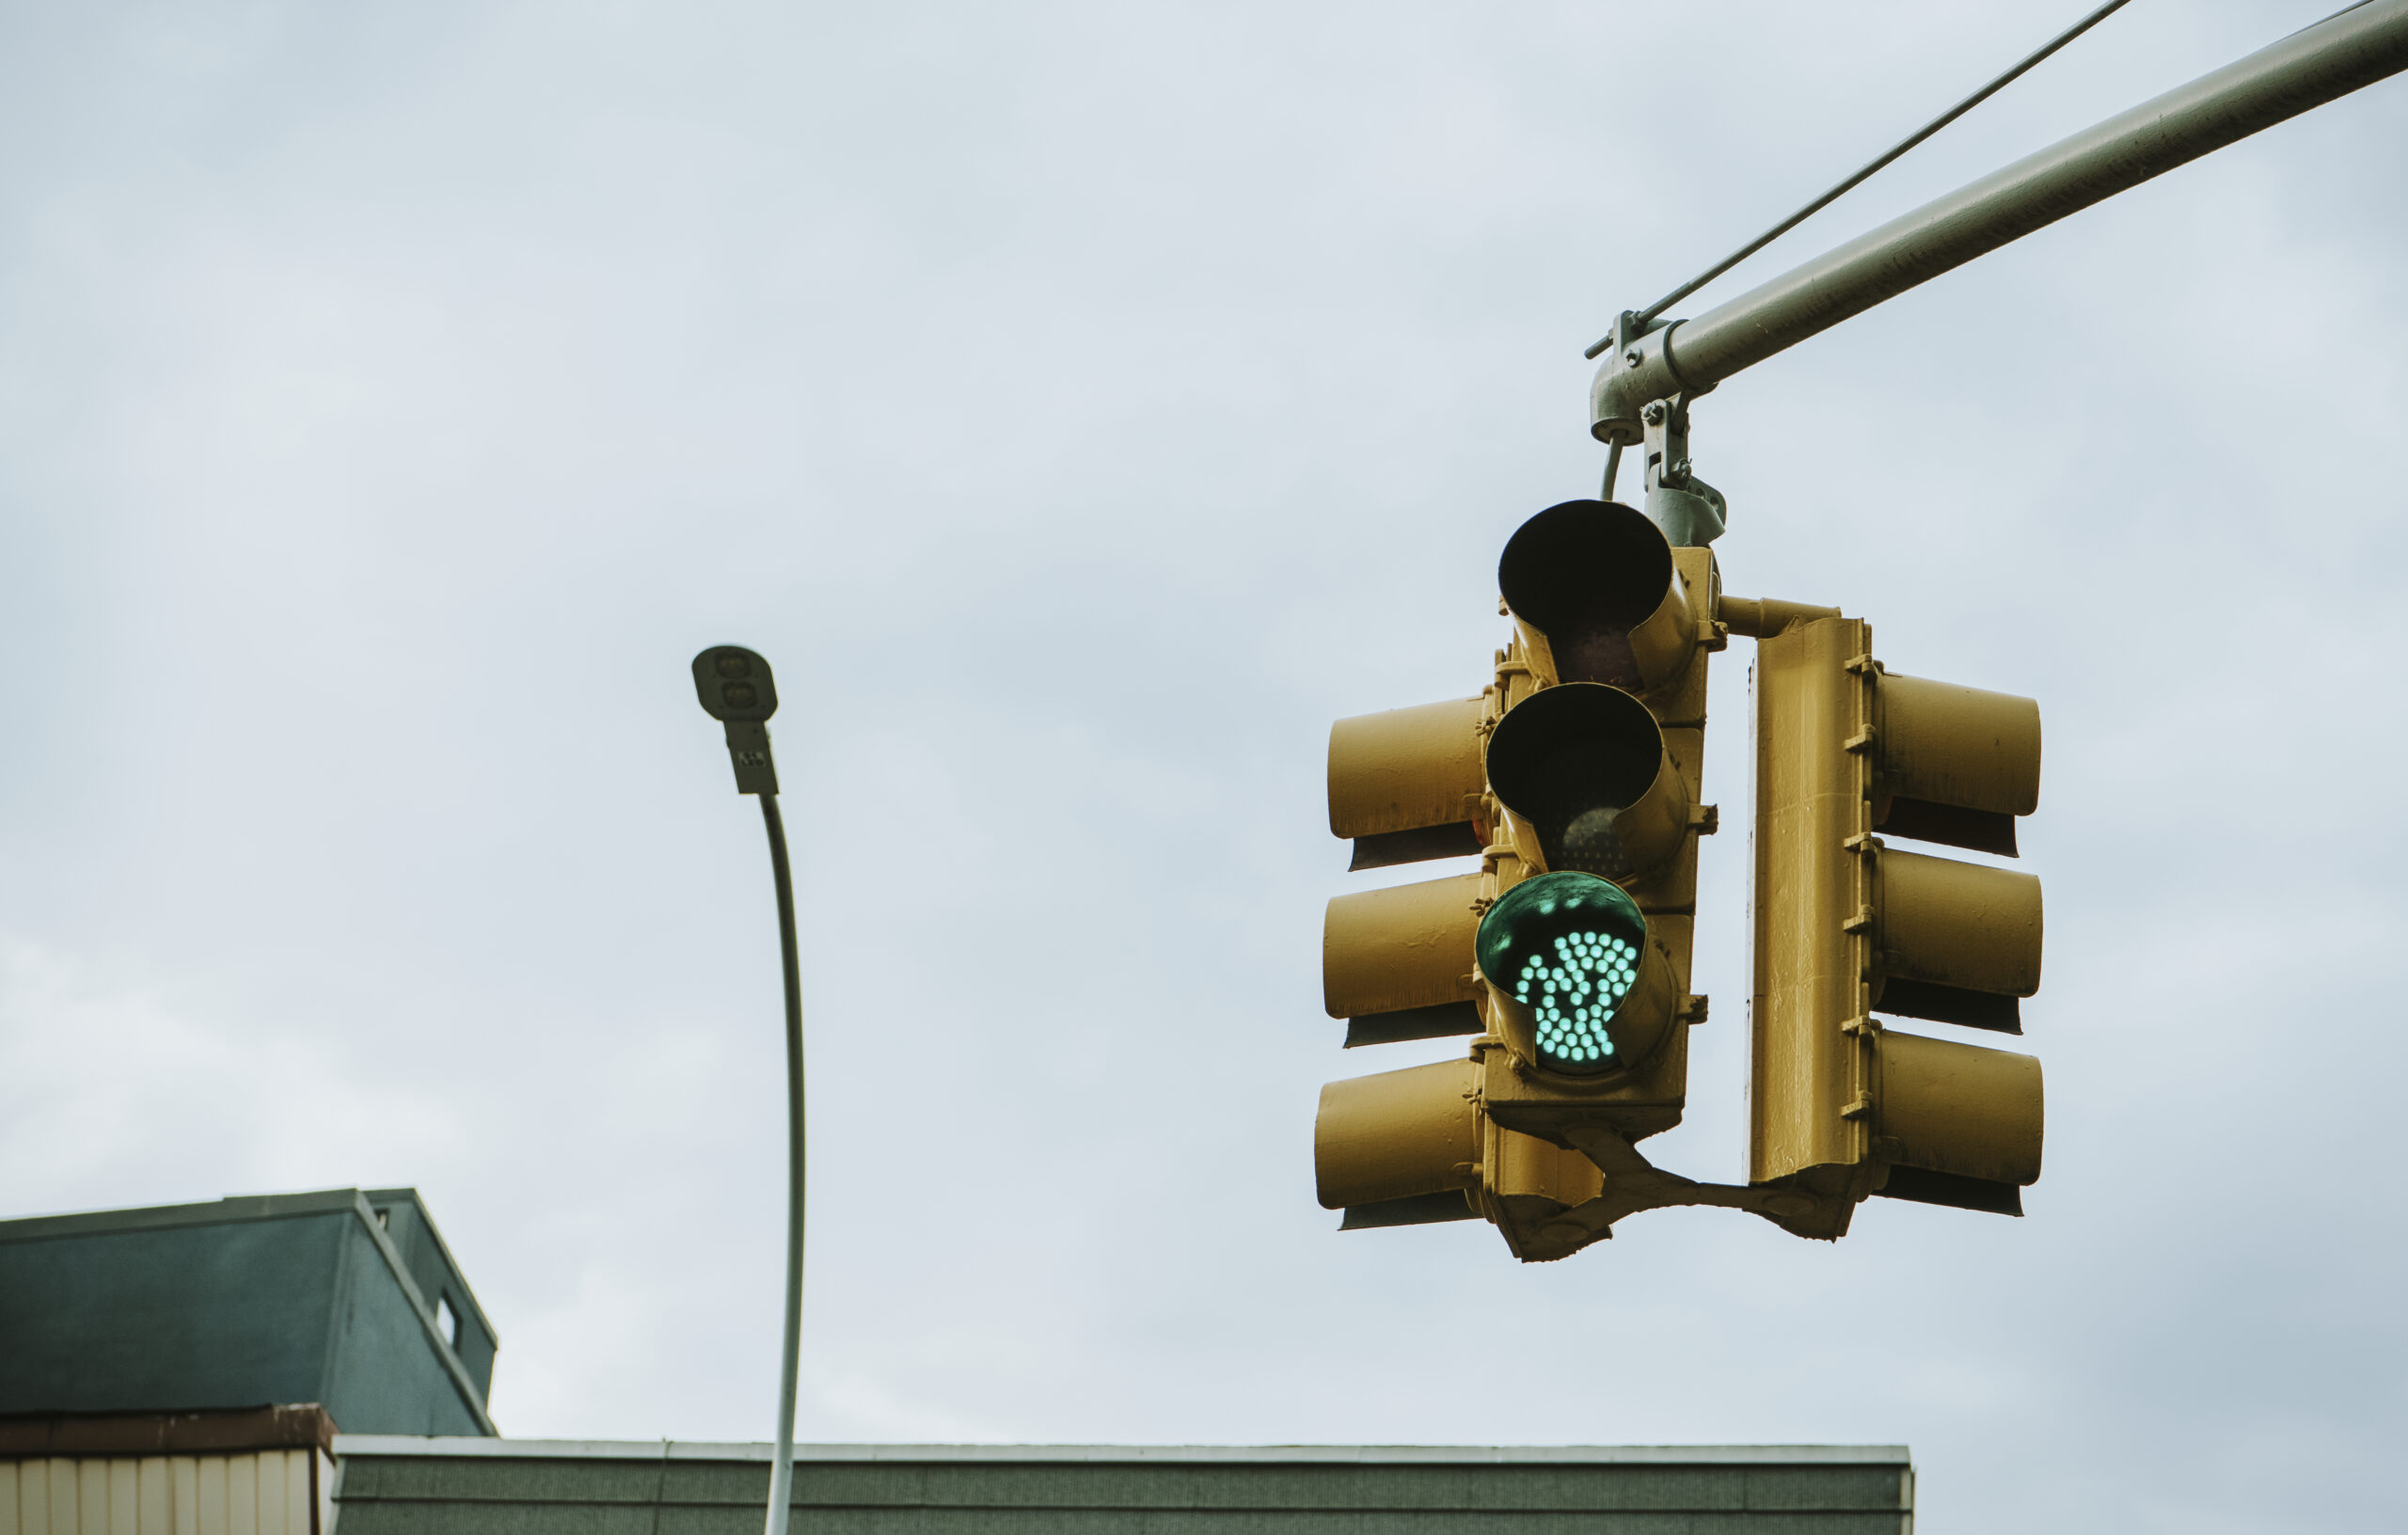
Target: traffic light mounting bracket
{"x": 1692, "y": 513}
{"x": 1629, "y": 1183}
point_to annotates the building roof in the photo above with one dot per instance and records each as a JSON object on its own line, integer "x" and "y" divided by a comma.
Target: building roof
{"x": 47, "y": 1435}
{"x": 344, "y": 1297}
{"x": 533, "y": 1487}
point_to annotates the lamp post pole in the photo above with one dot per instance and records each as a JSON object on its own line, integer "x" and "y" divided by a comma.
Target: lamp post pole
{"x": 737, "y": 688}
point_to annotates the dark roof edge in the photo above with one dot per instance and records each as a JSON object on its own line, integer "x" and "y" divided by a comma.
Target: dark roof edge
{"x": 385, "y": 1197}
{"x": 433, "y": 1330}
{"x": 234, "y": 1207}
{"x": 269, "y": 1207}
{"x": 348, "y": 1444}
{"x": 205, "y": 1431}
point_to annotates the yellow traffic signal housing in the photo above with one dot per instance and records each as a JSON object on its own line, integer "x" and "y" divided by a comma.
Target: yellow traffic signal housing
{"x": 1595, "y": 767}
{"x": 1412, "y": 1146}
{"x": 1396, "y": 963}
{"x": 1406, "y": 785}
{"x": 1402, "y": 1148}
{"x": 1585, "y": 774}
{"x": 1574, "y": 776}
{"x": 1847, "y": 928}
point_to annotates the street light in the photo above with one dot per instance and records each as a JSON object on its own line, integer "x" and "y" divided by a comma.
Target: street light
{"x": 736, "y": 688}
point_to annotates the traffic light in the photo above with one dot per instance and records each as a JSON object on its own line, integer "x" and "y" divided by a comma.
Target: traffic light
{"x": 1407, "y": 786}
{"x": 1574, "y": 776}
{"x": 1848, "y": 929}
{"x": 1582, "y": 992}
{"x": 1403, "y": 1147}
{"x": 1595, "y": 772}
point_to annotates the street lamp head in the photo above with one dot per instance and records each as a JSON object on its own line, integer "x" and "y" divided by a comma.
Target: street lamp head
{"x": 734, "y": 684}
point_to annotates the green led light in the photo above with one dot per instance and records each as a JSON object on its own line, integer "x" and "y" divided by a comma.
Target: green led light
{"x": 1568, "y": 945}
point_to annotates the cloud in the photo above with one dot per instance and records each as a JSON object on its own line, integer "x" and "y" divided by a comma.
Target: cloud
{"x": 1083, "y": 407}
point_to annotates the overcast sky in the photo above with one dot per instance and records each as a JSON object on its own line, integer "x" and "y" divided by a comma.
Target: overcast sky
{"x": 1083, "y": 406}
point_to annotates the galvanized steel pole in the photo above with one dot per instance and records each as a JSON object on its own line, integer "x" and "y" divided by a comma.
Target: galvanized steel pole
{"x": 781, "y": 1506}
{"x": 736, "y": 687}
{"x": 2315, "y": 65}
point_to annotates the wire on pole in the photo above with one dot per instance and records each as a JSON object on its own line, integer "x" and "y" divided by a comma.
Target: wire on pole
{"x": 1647, "y": 315}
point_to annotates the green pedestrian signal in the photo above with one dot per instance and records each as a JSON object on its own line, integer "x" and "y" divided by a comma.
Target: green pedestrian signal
{"x": 1568, "y": 949}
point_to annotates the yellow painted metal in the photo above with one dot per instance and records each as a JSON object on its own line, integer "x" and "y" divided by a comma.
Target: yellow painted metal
{"x": 1761, "y": 618}
{"x": 1663, "y": 644}
{"x": 1685, "y": 748}
{"x": 1678, "y": 696}
{"x": 1596, "y": 595}
{"x": 1812, "y": 905}
{"x": 1404, "y": 946}
{"x": 1398, "y": 1134}
{"x": 1612, "y": 1111}
{"x": 1529, "y": 1189}
{"x": 1659, "y": 646}
{"x": 1658, "y": 826}
{"x": 1958, "y": 1109}
{"x": 1582, "y": 748}
{"x": 1645, "y": 1101}
{"x": 1835, "y": 1099}
{"x": 1958, "y": 746}
{"x": 1523, "y": 1167}
{"x": 1672, "y": 886}
{"x": 1518, "y": 675}
{"x": 1961, "y": 924}
{"x": 1530, "y": 645}
{"x": 1404, "y": 769}
{"x": 1548, "y": 1159}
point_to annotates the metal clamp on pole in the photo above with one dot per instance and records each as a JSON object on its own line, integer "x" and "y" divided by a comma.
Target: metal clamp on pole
{"x": 1692, "y": 513}
{"x": 737, "y": 688}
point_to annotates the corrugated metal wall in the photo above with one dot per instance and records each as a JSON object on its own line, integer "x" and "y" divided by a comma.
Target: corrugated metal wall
{"x": 268, "y": 1491}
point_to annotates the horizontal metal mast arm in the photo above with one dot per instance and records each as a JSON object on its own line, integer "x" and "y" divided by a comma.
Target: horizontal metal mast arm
{"x": 1761, "y": 618}
{"x": 2319, "y": 64}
